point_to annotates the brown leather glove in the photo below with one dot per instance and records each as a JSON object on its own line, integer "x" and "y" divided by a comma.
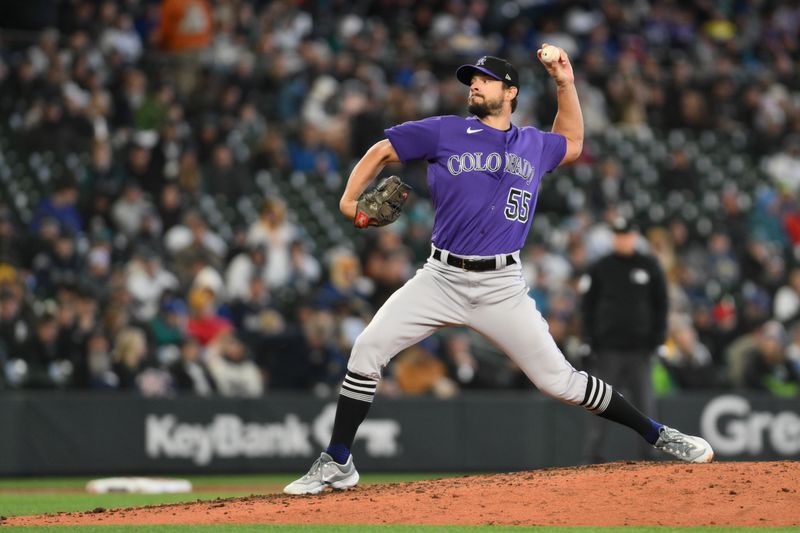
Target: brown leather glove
{"x": 383, "y": 204}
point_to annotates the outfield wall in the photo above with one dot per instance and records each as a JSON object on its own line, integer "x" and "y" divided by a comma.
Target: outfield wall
{"x": 70, "y": 433}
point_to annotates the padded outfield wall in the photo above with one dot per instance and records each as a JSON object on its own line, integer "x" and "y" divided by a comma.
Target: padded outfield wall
{"x": 70, "y": 433}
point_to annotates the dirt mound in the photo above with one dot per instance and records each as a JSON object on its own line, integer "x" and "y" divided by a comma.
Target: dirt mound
{"x": 667, "y": 494}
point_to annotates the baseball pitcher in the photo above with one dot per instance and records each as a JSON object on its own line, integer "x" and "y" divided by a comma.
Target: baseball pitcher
{"x": 484, "y": 174}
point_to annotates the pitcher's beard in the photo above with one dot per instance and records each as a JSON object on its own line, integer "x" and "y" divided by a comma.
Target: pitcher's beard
{"x": 484, "y": 109}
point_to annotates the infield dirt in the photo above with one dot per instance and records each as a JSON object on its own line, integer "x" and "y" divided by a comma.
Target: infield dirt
{"x": 614, "y": 494}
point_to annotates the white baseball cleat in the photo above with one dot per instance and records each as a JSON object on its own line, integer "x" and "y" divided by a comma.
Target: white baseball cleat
{"x": 685, "y": 447}
{"x": 324, "y": 473}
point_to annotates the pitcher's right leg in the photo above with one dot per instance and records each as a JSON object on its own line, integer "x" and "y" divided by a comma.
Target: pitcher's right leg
{"x": 426, "y": 303}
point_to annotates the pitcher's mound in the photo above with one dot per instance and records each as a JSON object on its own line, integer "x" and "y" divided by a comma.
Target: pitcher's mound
{"x": 615, "y": 494}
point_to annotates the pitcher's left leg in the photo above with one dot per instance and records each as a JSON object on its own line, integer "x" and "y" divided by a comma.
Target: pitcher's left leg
{"x": 515, "y": 325}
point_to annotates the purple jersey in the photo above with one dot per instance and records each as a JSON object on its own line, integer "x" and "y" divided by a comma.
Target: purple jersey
{"x": 484, "y": 182}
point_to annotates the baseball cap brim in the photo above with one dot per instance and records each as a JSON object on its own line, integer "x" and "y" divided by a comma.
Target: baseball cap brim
{"x": 621, "y": 225}
{"x": 465, "y": 73}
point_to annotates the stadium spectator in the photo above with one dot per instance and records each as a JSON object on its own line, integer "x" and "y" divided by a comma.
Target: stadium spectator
{"x": 60, "y": 206}
{"x": 11, "y": 240}
{"x": 130, "y": 352}
{"x": 786, "y": 305}
{"x": 97, "y": 272}
{"x": 243, "y": 268}
{"x": 130, "y": 209}
{"x": 205, "y": 323}
{"x": 464, "y": 365}
{"x": 99, "y": 363}
{"x": 722, "y": 265}
{"x": 85, "y": 322}
{"x": 688, "y": 360}
{"x": 324, "y": 355}
{"x": 102, "y": 174}
{"x": 185, "y": 29}
{"x": 147, "y": 281}
{"x": 123, "y": 38}
{"x": 232, "y": 368}
{"x": 15, "y": 324}
{"x": 418, "y": 371}
{"x": 141, "y": 170}
{"x": 274, "y": 231}
{"x": 52, "y": 129}
{"x": 793, "y": 350}
{"x": 190, "y": 374}
{"x": 305, "y": 270}
{"x": 168, "y": 327}
{"x": 767, "y": 366}
{"x": 46, "y": 365}
{"x": 193, "y": 247}
{"x": 255, "y": 316}
{"x": 225, "y": 177}
{"x": 59, "y": 266}
{"x": 345, "y": 289}
{"x": 170, "y": 206}
{"x": 271, "y": 153}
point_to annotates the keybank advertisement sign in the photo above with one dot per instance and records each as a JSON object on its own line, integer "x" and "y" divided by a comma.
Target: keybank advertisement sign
{"x": 78, "y": 434}
{"x": 229, "y": 436}
{"x": 732, "y": 424}
{"x": 733, "y": 427}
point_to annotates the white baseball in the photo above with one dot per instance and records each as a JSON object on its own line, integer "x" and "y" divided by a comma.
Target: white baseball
{"x": 550, "y": 53}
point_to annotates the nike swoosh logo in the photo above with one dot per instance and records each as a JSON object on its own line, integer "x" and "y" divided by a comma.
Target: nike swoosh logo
{"x": 470, "y": 130}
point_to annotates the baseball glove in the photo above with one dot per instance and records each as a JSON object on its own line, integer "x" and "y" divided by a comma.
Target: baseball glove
{"x": 383, "y": 204}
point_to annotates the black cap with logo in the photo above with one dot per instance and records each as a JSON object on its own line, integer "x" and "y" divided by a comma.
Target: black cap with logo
{"x": 622, "y": 224}
{"x": 497, "y": 68}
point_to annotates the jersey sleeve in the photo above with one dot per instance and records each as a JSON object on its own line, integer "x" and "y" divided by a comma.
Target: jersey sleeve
{"x": 417, "y": 139}
{"x": 554, "y": 148}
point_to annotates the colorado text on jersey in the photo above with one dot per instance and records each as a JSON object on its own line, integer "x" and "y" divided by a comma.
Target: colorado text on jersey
{"x": 474, "y": 161}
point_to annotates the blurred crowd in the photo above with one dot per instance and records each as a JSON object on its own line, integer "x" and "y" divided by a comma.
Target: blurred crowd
{"x": 117, "y": 280}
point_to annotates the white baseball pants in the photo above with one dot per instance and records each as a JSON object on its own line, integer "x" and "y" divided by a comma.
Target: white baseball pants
{"x": 494, "y": 303}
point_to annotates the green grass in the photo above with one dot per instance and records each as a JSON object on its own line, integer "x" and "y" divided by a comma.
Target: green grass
{"x": 240, "y": 479}
{"x": 27, "y": 504}
{"x": 384, "y": 529}
{"x": 67, "y": 496}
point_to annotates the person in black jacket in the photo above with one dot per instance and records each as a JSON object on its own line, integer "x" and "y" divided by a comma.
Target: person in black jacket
{"x": 190, "y": 374}
{"x": 624, "y": 310}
